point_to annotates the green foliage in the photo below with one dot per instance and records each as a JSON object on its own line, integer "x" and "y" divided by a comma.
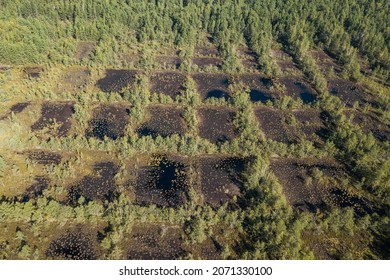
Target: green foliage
{"x": 258, "y": 224}
{"x": 274, "y": 231}
{"x": 3, "y": 165}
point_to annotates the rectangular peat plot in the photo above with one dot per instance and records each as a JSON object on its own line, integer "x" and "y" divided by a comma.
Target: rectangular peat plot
{"x": 161, "y": 180}
{"x": 207, "y": 51}
{"x": 216, "y": 124}
{"x": 369, "y": 123}
{"x": 285, "y": 61}
{"x": 14, "y": 109}
{"x": 44, "y": 157}
{"x": 78, "y": 243}
{"x": 99, "y": 185}
{"x": 312, "y": 124}
{"x": 163, "y": 121}
{"x": 109, "y": 121}
{"x": 212, "y": 85}
{"x": 55, "y": 119}
{"x": 298, "y": 88}
{"x": 84, "y": 49}
{"x": 205, "y": 62}
{"x": 116, "y": 80}
{"x": 220, "y": 178}
{"x": 169, "y": 62}
{"x": 260, "y": 87}
{"x": 33, "y": 72}
{"x": 349, "y": 92}
{"x": 272, "y": 124}
{"x": 155, "y": 242}
{"x": 248, "y": 59}
{"x": 168, "y": 83}
{"x": 325, "y": 62}
{"x": 36, "y": 189}
{"x": 74, "y": 79}
{"x": 310, "y": 184}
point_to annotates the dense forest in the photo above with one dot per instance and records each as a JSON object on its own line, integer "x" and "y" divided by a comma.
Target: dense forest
{"x": 194, "y": 129}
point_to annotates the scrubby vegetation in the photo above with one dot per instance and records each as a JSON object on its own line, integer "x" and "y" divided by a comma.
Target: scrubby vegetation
{"x": 194, "y": 129}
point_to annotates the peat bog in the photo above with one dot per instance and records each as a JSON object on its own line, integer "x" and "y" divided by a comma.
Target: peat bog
{"x": 163, "y": 181}
{"x": 44, "y": 157}
{"x": 33, "y": 71}
{"x": 259, "y": 87}
{"x": 348, "y": 92}
{"x": 117, "y": 80}
{"x": 174, "y": 130}
{"x": 56, "y": 118}
{"x": 368, "y": 123}
{"x": 299, "y": 89}
{"x": 169, "y": 62}
{"x": 98, "y": 186}
{"x": 271, "y": 123}
{"x": 212, "y": 85}
{"x": 73, "y": 245}
{"x": 155, "y": 242}
{"x": 36, "y": 189}
{"x": 307, "y": 190}
{"x": 220, "y": 178}
{"x": 168, "y": 83}
{"x": 162, "y": 121}
{"x": 84, "y": 49}
{"x": 216, "y": 124}
{"x": 108, "y": 121}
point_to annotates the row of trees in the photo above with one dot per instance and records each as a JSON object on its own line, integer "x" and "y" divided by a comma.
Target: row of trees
{"x": 35, "y": 32}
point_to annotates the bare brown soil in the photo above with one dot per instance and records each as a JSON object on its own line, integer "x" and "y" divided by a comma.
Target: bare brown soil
{"x": 155, "y": 243}
{"x": 248, "y": 59}
{"x": 108, "y": 121}
{"x": 325, "y": 62}
{"x": 56, "y": 118}
{"x": 206, "y": 51}
{"x": 19, "y": 107}
{"x": 348, "y": 92}
{"x": 298, "y": 88}
{"x": 284, "y": 61}
{"x": 163, "y": 121}
{"x": 311, "y": 123}
{"x": 117, "y": 80}
{"x": 99, "y": 186}
{"x": 44, "y": 157}
{"x": 246, "y": 54}
{"x": 33, "y": 71}
{"x": 5, "y": 67}
{"x": 292, "y": 174}
{"x": 250, "y": 65}
{"x": 216, "y": 124}
{"x": 271, "y": 123}
{"x": 368, "y": 123}
{"x": 15, "y": 109}
{"x": 132, "y": 59}
{"x": 209, "y": 249}
{"x": 73, "y": 245}
{"x": 169, "y": 62}
{"x": 75, "y": 79}
{"x": 203, "y": 62}
{"x": 259, "y": 86}
{"x": 307, "y": 192}
{"x": 220, "y": 178}
{"x": 212, "y": 85}
{"x": 162, "y": 182}
{"x": 168, "y": 83}
{"x": 36, "y": 189}
{"x": 84, "y": 49}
